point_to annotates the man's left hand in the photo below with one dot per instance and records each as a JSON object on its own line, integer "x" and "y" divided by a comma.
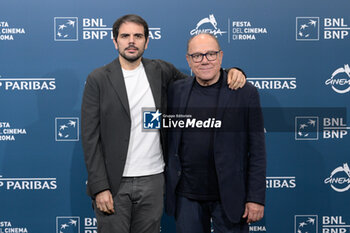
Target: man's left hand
{"x": 235, "y": 79}
{"x": 253, "y": 212}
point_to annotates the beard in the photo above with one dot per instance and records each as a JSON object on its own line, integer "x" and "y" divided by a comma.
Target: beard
{"x": 134, "y": 57}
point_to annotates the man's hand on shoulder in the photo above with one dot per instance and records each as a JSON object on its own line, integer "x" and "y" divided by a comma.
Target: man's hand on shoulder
{"x": 235, "y": 78}
{"x": 104, "y": 202}
{"x": 253, "y": 212}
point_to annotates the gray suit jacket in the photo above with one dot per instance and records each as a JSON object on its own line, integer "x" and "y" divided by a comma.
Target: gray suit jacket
{"x": 105, "y": 120}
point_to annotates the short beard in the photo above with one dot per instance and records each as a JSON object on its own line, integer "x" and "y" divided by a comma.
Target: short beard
{"x": 131, "y": 59}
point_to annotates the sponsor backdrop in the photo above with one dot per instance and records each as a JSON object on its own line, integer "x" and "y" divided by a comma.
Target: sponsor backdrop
{"x": 295, "y": 52}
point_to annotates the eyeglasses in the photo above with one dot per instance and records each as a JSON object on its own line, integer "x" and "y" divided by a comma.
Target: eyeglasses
{"x": 198, "y": 57}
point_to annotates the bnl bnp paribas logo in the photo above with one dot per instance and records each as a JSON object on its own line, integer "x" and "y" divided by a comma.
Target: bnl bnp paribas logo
{"x": 27, "y": 84}
{"x": 308, "y": 128}
{"x": 67, "y": 129}
{"x": 274, "y": 83}
{"x": 66, "y": 29}
{"x": 340, "y": 80}
{"x": 308, "y": 29}
{"x": 305, "y": 224}
{"x": 25, "y": 183}
{"x": 330, "y": 224}
{"x": 68, "y": 224}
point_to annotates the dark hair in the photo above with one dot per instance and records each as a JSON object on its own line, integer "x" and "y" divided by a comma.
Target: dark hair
{"x": 129, "y": 18}
{"x": 203, "y": 33}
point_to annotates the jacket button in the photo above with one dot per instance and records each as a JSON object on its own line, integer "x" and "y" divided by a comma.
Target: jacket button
{"x": 176, "y": 155}
{"x": 178, "y": 173}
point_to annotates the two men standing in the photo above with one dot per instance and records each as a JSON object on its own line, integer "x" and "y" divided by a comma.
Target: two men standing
{"x": 125, "y": 165}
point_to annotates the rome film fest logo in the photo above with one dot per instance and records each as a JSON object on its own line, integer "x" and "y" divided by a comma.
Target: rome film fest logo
{"x": 340, "y": 80}
{"x": 212, "y": 28}
{"x": 339, "y": 178}
{"x": 8, "y": 32}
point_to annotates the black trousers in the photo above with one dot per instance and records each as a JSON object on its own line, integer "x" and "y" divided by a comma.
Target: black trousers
{"x": 200, "y": 216}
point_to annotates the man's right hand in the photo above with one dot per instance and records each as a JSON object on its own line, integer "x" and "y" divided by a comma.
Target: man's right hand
{"x": 104, "y": 202}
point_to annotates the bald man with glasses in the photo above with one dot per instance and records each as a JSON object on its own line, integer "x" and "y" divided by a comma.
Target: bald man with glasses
{"x": 218, "y": 172}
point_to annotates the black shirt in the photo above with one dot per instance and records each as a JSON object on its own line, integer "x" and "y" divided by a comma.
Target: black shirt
{"x": 199, "y": 179}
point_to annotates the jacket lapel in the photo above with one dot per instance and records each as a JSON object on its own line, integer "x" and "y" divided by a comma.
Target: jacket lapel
{"x": 154, "y": 77}
{"x": 224, "y": 97}
{"x": 185, "y": 94}
{"x": 186, "y": 90}
{"x": 117, "y": 79}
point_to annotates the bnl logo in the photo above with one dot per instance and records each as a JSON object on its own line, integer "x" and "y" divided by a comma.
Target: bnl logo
{"x": 307, "y": 28}
{"x": 334, "y": 128}
{"x": 151, "y": 119}
{"x": 305, "y": 223}
{"x": 67, "y": 129}
{"x": 67, "y": 224}
{"x": 66, "y": 28}
{"x": 306, "y": 128}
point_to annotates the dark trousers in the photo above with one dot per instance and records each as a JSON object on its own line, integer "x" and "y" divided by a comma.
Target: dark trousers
{"x": 198, "y": 216}
{"x": 138, "y": 206}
